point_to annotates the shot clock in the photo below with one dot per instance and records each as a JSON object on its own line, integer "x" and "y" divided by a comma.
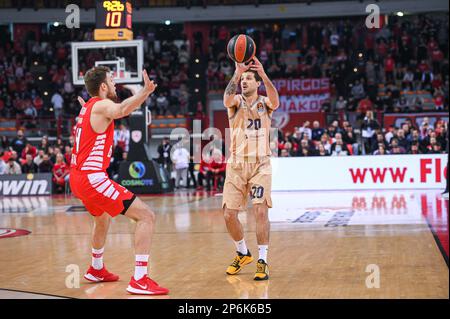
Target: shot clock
{"x": 113, "y": 20}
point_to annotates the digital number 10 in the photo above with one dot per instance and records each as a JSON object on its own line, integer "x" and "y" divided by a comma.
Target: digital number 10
{"x": 113, "y": 19}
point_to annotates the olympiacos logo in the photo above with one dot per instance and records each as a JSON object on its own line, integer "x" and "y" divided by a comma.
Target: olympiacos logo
{"x": 136, "y": 136}
{"x": 280, "y": 119}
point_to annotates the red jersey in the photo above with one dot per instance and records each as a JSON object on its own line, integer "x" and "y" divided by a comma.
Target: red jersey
{"x": 60, "y": 169}
{"x": 91, "y": 151}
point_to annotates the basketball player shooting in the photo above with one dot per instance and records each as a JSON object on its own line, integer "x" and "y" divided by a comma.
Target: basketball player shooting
{"x": 249, "y": 169}
{"x": 102, "y": 197}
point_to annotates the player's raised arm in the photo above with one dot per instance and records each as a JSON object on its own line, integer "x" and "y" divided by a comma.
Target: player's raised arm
{"x": 272, "y": 99}
{"x": 114, "y": 110}
{"x": 229, "y": 97}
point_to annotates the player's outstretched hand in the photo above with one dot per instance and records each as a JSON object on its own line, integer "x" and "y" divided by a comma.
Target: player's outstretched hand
{"x": 149, "y": 85}
{"x": 81, "y": 101}
{"x": 257, "y": 67}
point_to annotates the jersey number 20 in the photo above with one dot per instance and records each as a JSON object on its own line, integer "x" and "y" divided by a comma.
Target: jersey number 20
{"x": 256, "y": 123}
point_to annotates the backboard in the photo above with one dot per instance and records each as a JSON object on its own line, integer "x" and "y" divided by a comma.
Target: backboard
{"x": 124, "y": 58}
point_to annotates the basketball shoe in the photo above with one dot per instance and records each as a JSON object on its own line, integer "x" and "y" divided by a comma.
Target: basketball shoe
{"x": 239, "y": 261}
{"x": 100, "y": 275}
{"x": 145, "y": 286}
{"x": 262, "y": 270}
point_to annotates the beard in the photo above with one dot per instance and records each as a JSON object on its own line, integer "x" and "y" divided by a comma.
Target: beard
{"x": 248, "y": 93}
{"x": 112, "y": 95}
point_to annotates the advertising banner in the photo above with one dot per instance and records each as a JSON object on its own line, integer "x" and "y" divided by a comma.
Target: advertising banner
{"x": 144, "y": 177}
{"x": 360, "y": 172}
{"x": 26, "y": 184}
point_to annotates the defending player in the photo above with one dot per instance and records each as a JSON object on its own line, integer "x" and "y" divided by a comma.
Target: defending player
{"x": 248, "y": 169}
{"x": 103, "y": 197}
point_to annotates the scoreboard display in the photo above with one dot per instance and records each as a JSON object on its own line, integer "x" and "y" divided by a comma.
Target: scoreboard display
{"x": 113, "y": 20}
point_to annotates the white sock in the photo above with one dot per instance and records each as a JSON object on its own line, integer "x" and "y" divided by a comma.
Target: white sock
{"x": 241, "y": 246}
{"x": 140, "y": 269}
{"x": 262, "y": 249}
{"x": 97, "y": 258}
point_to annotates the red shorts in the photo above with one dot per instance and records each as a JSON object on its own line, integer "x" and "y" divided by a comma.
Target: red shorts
{"x": 100, "y": 194}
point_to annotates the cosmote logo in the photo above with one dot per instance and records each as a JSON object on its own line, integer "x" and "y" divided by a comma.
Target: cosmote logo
{"x": 137, "y": 169}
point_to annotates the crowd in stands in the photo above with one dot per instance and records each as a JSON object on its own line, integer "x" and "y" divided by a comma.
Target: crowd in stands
{"x": 26, "y": 93}
{"x": 392, "y": 69}
{"x": 401, "y": 67}
{"x": 20, "y": 156}
{"x": 340, "y": 139}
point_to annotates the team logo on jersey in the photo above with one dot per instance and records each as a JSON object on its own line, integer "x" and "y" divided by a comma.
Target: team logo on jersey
{"x": 136, "y": 136}
{"x": 260, "y": 107}
{"x": 137, "y": 169}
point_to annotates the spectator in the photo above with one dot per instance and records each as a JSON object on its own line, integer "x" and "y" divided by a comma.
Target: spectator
{"x": 338, "y": 148}
{"x": 380, "y": 139}
{"x": 216, "y": 169}
{"x": 60, "y": 173}
{"x": 341, "y": 104}
{"x": 317, "y": 131}
{"x": 321, "y": 151}
{"x": 358, "y": 91}
{"x": 402, "y": 140}
{"x": 52, "y": 154}
{"x": 28, "y": 150}
{"x": 415, "y": 148}
{"x": 284, "y": 153}
{"x": 202, "y": 172}
{"x": 29, "y": 166}
{"x": 46, "y": 166}
{"x": 67, "y": 154}
{"x": 2, "y": 164}
{"x": 368, "y": 128}
{"x": 396, "y": 148}
{"x": 39, "y": 158}
{"x": 4, "y": 142}
{"x": 390, "y": 134}
{"x": 305, "y": 129}
{"x": 18, "y": 143}
{"x": 57, "y": 102}
{"x": 305, "y": 149}
{"x": 381, "y": 150}
{"x": 364, "y": 105}
{"x": 44, "y": 144}
{"x": 288, "y": 147}
{"x": 349, "y": 138}
{"x": 162, "y": 104}
{"x": 122, "y": 138}
{"x": 13, "y": 168}
{"x": 164, "y": 150}
{"x": 325, "y": 141}
{"x": 180, "y": 158}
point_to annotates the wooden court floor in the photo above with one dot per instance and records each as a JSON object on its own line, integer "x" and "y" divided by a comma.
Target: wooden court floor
{"x": 322, "y": 246}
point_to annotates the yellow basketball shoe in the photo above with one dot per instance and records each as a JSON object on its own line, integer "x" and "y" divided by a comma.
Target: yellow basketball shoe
{"x": 262, "y": 270}
{"x": 239, "y": 261}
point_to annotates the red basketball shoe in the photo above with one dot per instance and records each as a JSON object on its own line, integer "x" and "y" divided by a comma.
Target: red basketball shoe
{"x": 145, "y": 286}
{"x": 101, "y": 275}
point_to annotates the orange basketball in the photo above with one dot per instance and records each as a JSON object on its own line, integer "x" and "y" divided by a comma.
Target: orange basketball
{"x": 241, "y": 48}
